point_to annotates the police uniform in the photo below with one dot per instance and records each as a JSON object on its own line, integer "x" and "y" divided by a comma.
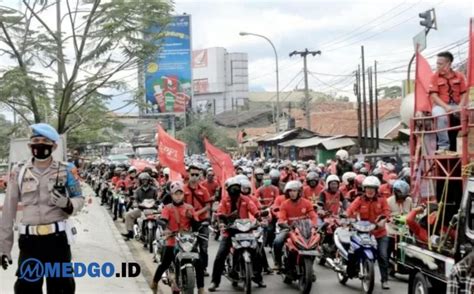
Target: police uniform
{"x": 45, "y": 233}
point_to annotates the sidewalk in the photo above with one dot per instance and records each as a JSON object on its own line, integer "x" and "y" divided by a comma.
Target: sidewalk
{"x": 98, "y": 240}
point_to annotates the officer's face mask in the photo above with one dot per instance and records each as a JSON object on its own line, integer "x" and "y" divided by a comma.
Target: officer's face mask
{"x": 42, "y": 152}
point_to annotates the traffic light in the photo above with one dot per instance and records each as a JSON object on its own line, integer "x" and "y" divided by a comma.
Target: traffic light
{"x": 428, "y": 19}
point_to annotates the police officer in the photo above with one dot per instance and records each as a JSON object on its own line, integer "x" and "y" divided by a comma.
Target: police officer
{"x": 50, "y": 192}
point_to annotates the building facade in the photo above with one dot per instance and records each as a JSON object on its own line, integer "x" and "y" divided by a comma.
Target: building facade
{"x": 220, "y": 80}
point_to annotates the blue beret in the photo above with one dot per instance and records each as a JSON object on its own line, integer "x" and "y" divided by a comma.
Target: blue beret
{"x": 45, "y": 130}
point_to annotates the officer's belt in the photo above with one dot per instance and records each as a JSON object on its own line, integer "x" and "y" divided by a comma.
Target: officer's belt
{"x": 41, "y": 230}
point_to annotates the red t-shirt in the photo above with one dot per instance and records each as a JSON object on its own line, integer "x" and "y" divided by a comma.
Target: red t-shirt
{"x": 211, "y": 187}
{"x": 197, "y": 198}
{"x": 369, "y": 210}
{"x": 312, "y": 194}
{"x": 267, "y": 195}
{"x": 291, "y": 211}
{"x": 449, "y": 87}
{"x": 245, "y": 207}
{"x": 179, "y": 219}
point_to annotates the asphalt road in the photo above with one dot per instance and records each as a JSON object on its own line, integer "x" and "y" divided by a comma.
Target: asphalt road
{"x": 326, "y": 279}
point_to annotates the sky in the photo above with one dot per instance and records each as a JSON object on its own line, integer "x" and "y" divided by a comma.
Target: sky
{"x": 336, "y": 27}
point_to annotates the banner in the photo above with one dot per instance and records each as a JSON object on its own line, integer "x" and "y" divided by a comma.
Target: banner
{"x": 171, "y": 152}
{"x": 422, "y": 83}
{"x": 168, "y": 76}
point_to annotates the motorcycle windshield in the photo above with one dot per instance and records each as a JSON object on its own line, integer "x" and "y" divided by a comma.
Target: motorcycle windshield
{"x": 304, "y": 226}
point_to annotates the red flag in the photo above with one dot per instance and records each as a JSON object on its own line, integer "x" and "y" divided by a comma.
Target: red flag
{"x": 175, "y": 176}
{"x": 422, "y": 83}
{"x": 221, "y": 162}
{"x": 470, "y": 60}
{"x": 171, "y": 151}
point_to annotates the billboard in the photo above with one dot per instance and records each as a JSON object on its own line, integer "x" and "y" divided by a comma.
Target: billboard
{"x": 168, "y": 76}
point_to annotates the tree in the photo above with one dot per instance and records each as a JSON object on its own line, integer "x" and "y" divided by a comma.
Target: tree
{"x": 194, "y": 134}
{"x": 6, "y": 131}
{"x": 391, "y": 92}
{"x": 62, "y": 73}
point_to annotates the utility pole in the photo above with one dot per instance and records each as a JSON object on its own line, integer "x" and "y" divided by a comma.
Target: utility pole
{"x": 376, "y": 107}
{"x": 359, "y": 110}
{"x": 371, "y": 110}
{"x": 364, "y": 97}
{"x": 306, "y": 89}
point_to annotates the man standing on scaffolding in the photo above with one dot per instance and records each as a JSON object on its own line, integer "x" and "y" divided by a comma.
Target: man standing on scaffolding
{"x": 448, "y": 91}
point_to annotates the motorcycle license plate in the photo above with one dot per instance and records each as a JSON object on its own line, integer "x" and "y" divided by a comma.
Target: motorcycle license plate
{"x": 244, "y": 236}
{"x": 308, "y": 252}
{"x": 148, "y": 211}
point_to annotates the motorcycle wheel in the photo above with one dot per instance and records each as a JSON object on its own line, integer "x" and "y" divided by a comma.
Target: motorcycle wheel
{"x": 342, "y": 278}
{"x": 150, "y": 236}
{"x": 368, "y": 277}
{"x": 248, "y": 278}
{"x": 188, "y": 280}
{"x": 306, "y": 279}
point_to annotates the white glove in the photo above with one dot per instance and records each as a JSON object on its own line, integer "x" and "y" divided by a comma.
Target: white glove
{"x": 59, "y": 200}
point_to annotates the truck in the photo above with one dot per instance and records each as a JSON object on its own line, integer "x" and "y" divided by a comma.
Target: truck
{"x": 446, "y": 179}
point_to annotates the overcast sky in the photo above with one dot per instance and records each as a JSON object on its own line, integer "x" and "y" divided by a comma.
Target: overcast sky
{"x": 337, "y": 28}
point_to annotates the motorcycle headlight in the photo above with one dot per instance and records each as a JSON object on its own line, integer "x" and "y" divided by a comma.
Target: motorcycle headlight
{"x": 245, "y": 244}
{"x": 187, "y": 247}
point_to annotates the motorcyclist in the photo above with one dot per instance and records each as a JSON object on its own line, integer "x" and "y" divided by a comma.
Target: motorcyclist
{"x": 371, "y": 207}
{"x": 176, "y": 217}
{"x": 348, "y": 183}
{"x": 313, "y": 188}
{"x": 385, "y": 189}
{"x": 210, "y": 183}
{"x": 292, "y": 209}
{"x": 144, "y": 191}
{"x": 267, "y": 195}
{"x": 342, "y": 164}
{"x": 275, "y": 179}
{"x": 331, "y": 198}
{"x": 258, "y": 177}
{"x": 231, "y": 208}
{"x": 198, "y": 197}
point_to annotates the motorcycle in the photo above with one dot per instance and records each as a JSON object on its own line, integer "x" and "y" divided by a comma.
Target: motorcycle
{"x": 244, "y": 247}
{"x": 299, "y": 253}
{"x": 214, "y": 227}
{"x": 356, "y": 253}
{"x": 180, "y": 276}
{"x": 145, "y": 227}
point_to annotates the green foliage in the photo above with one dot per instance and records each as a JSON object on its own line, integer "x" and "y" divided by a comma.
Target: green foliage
{"x": 59, "y": 77}
{"x": 6, "y": 130}
{"x": 194, "y": 134}
{"x": 390, "y": 92}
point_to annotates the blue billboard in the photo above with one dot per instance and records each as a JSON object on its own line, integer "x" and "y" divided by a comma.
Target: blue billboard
{"x": 168, "y": 76}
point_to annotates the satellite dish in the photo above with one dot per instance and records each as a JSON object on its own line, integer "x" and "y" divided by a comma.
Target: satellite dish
{"x": 407, "y": 108}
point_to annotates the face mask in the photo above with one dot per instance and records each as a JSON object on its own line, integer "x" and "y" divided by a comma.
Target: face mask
{"x": 267, "y": 182}
{"x": 42, "y": 152}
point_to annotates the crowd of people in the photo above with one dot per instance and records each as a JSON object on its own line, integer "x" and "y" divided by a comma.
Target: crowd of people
{"x": 290, "y": 190}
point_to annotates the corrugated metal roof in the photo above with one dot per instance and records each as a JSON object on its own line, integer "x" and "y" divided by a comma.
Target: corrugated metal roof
{"x": 338, "y": 143}
{"x": 279, "y": 136}
{"x": 290, "y": 143}
{"x": 308, "y": 142}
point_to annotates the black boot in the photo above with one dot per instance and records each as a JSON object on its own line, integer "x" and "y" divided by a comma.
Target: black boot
{"x": 128, "y": 235}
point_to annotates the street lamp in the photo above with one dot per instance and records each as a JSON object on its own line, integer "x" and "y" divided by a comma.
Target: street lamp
{"x": 277, "y": 79}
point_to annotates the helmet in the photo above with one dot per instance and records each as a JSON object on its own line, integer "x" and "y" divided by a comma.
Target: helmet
{"x": 144, "y": 176}
{"x": 312, "y": 176}
{"x": 195, "y": 165}
{"x": 274, "y": 173}
{"x": 293, "y": 185}
{"x": 358, "y": 180}
{"x": 166, "y": 171}
{"x": 176, "y": 186}
{"x": 364, "y": 171}
{"x": 259, "y": 171}
{"x": 332, "y": 178}
{"x": 232, "y": 182}
{"x": 348, "y": 176}
{"x": 123, "y": 174}
{"x": 342, "y": 154}
{"x": 402, "y": 187}
{"x": 377, "y": 172}
{"x": 245, "y": 184}
{"x": 371, "y": 182}
{"x": 241, "y": 178}
{"x": 358, "y": 165}
{"x": 321, "y": 165}
{"x": 390, "y": 167}
{"x": 132, "y": 169}
{"x": 44, "y": 130}
{"x": 112, "y": 166}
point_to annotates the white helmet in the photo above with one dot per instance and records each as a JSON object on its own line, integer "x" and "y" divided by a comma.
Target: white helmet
{"x": 342, "y": 154}
{"x": 293, "y": 185}
{"x": 166, "y": 171}
{"x": 371, "y": 182}
{"x": 347, "y": 176}
{"x": 274, "y": 173}
{"x": 245, "y": 183}
{"x": 132, "y": 169}
{"x": 332, "y": 178}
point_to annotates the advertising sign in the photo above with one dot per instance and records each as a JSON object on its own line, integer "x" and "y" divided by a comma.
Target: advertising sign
{"x": 200, "y": 58}
{"x": 168, "y": 76}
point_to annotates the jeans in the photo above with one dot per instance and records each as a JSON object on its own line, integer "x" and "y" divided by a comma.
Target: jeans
{"x": 169, "y": 257}
{"x": 278, "y": 245}
{"x": 443, "y": 122}
{"x": 382, "y": 247}
{"x": 203, "y": 244}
